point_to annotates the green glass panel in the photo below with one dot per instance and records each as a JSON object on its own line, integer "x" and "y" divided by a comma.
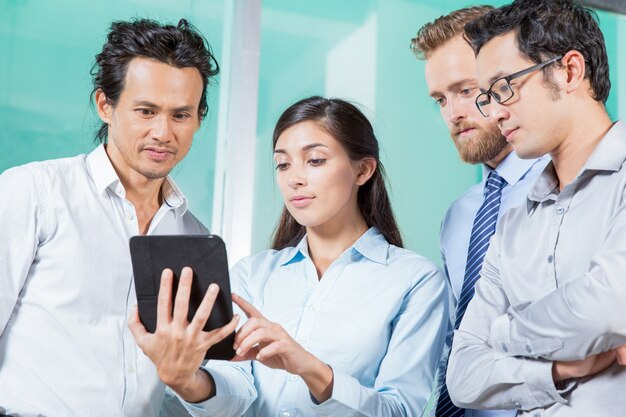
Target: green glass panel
{"x": 47, "y": 49}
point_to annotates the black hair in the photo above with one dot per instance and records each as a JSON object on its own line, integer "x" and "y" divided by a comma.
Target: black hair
{"x": 547, "y": 29}
{"x": 349, "y": 126}
{"x": 181, "y": 46}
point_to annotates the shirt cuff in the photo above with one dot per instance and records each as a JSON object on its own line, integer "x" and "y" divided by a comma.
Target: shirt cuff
{"x": 223, "y": 399}
{"x": 541, "y": 388}
{"x": 345, "y": 399}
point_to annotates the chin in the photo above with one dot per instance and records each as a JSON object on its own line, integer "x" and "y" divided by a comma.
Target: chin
{"x": 524, "y": 153}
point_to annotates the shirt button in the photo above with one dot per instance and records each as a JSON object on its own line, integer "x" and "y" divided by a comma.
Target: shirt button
{"x": 504, "y": 348}
{"x": 129, "y": 216}
{"x": 529, "y": 349}
{"x": 560, "y": 210}
{"x": 293, "y": 377}
{"x": 285, "y": 414}
{"x": 518, "y": 405}
{"x": 302, "y": 341}
{"x": 550, "y": 259}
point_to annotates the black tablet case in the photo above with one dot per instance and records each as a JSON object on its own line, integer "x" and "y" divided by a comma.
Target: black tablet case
{"x": 206, "y": 255}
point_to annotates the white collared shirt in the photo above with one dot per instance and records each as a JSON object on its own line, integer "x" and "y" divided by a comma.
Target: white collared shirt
{"x": 66, "y": 290}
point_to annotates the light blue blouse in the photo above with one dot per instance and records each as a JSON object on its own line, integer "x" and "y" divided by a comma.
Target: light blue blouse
{"x": 377, "y": 317}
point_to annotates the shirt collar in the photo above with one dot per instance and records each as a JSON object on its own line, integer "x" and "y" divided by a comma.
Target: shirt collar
{"x": 512, "y": 168}
{"x": 105, "y": 177}
{"x": 609, "y": 155}
{"x": 371, "y": 245}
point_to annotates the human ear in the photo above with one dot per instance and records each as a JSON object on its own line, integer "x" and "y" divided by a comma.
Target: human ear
{"x": 103, "y": 106}
{"x": 574, "y": 64}
{"x": 367, "y": 167}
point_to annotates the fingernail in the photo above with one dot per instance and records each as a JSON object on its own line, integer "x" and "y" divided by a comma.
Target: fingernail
{"x": 239, "y": 352}
{"x": 212, "y": 288}
{"x": 235, "y": 346}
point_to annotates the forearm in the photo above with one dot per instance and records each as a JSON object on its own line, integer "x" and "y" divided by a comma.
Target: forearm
{"x": 200, "y": 387}
{"x": 318, "y": 377}
{"x": 479, "y": 378}
{"x": 349, "y": 397}
{"x": 233, "y": 394}
{"x": 571, "y": 323}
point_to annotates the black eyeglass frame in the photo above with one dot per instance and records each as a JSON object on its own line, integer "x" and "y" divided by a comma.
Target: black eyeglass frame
{"x": 488, "y": 94}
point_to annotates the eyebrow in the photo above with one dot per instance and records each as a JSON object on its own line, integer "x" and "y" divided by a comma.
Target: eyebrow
{"x": 304, "y": 148}
{"x": 151, "y": 105}
{"x": 456, "y": 85}
{"x": 498, "y": 74}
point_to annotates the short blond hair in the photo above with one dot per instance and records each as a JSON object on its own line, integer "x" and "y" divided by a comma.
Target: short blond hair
{"x": 436, "y": 33}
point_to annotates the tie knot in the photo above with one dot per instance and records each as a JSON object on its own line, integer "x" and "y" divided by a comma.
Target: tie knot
{"x": 494, "y": 182}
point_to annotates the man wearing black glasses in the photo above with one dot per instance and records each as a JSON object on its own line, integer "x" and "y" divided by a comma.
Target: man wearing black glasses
{"x": 545, "y": 330}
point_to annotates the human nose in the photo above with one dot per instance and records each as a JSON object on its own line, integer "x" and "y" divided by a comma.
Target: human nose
{"x": 296, "y": 179}
{"x": 162, "y": 128}
{"x": 456, "y": 112}
{"x": 497, "y": 112}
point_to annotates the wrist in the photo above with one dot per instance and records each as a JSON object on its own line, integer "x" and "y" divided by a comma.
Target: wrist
{"x": 200, "y": 387}
{"x": 319, "y": 378}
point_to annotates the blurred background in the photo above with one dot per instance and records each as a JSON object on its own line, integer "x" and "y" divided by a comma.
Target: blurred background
{"x": 272, "y": 53}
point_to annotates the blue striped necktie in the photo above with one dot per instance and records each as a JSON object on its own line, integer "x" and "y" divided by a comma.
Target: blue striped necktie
{"x": 482, "y": 230}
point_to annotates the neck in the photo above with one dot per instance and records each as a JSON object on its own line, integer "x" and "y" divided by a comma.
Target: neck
{"x": 326, "y": 243}
{"x": 144, "y": 193}
{"x": 581, "y": 138}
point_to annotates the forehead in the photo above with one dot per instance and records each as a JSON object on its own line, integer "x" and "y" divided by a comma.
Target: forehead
{"x": 451, "y": 62}
{"x": 298, "y": 136}
{"x": 499, "y": 57}
{"x": 148, "y": 79}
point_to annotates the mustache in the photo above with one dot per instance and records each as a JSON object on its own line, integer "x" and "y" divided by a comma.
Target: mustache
{"x": 464, "y": 126}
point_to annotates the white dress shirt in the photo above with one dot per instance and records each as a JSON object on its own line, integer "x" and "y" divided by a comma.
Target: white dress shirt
{"x": 66, "y": 290}
{"x": 377, "y": 317}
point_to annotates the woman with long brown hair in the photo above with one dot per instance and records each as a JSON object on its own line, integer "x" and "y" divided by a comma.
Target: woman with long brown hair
{"x": 342, "y": 321}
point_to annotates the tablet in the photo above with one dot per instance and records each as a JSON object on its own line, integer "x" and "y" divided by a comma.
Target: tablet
{"x": 206, "y": 255}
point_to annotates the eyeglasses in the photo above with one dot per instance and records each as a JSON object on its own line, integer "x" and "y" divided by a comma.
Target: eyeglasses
{"x": 501, "y": 90}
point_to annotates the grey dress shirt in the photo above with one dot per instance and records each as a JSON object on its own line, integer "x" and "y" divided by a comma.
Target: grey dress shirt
{"x": 552, "y": 287}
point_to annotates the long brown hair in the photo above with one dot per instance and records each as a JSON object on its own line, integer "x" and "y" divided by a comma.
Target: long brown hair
{"x": 349, "y": 126}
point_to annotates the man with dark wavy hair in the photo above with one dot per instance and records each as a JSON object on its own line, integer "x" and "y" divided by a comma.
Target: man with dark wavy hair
{"x": 545, "y": 329}
{"x": 450, "y": 73}
{"x": 66, "y": 287}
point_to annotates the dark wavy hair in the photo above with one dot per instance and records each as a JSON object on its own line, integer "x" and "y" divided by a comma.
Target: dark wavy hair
{"x": 181, "y": 46}
{"x": 349, "y": 126}
{"x": 547, "y": 29}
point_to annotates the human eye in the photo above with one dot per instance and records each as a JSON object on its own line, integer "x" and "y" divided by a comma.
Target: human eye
{"x": 316, "y": 161}
{"x": 145, "y": 112}
{"x": 440, "y": 101}
{"x": 467, "y": 91}
{"x": 282, "y": 166}
{"x": 182, "y": 116}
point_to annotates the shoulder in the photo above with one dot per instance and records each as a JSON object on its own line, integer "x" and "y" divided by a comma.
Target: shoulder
{"x": 265, "y": 261}
{"x": 466, "y": 201}
{"x": 41, "y": 173}
{"x": 416, "y": 268}
{"x": 192, "y": 225}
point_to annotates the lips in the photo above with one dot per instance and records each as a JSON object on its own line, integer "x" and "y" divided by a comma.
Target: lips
{"x": 508, "y": 133}
{"x": 301, "y": 201}
{"x": 158, "y": 154}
